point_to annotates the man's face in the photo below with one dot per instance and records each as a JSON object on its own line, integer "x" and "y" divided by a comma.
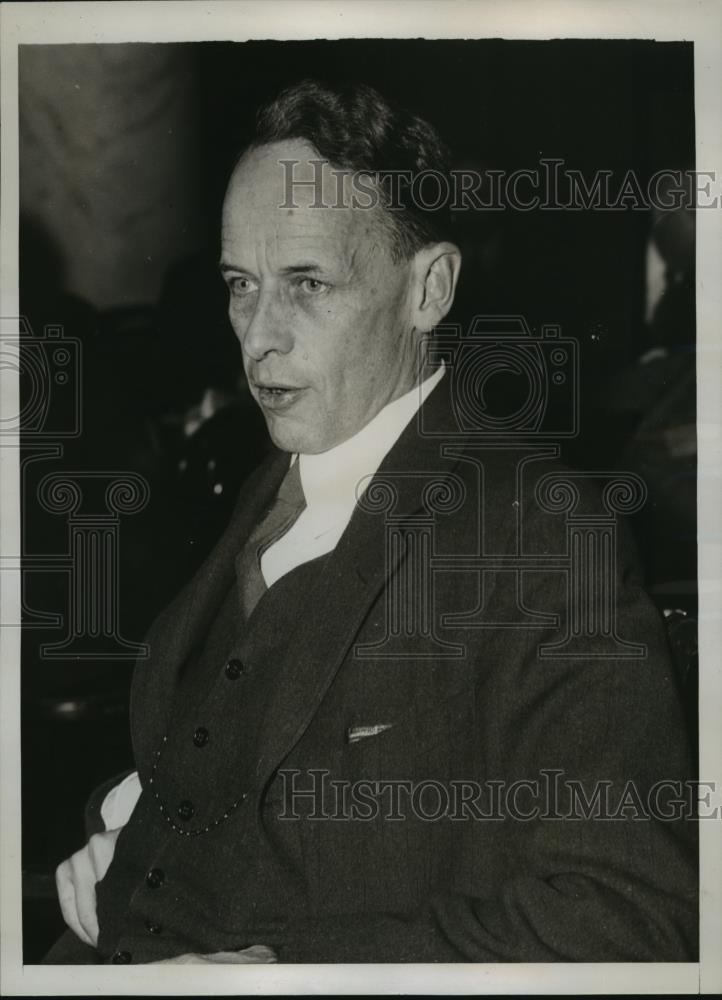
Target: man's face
{"x": 320, "y": 308}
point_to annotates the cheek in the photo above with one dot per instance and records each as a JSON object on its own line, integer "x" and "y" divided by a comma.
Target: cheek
{"x": 347, "y": 346}
{"x": 238, "y": 316}
{"x": 324, "y": 338}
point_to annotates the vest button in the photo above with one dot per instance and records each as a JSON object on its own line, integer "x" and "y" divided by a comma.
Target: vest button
{"x": 186, "y": 809}
{"x": 200, "y": 736}
{"x": 121, "y": 958}
{"x": 155, "y": 878}
{"x": 234, "y": 669}
{"x": 153, "y": 928}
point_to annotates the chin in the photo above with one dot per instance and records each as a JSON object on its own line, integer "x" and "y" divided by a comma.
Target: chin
{"x": 294, "y": 439}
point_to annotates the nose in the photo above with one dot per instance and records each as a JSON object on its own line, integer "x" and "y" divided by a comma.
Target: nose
{"x": 269, "y": 329}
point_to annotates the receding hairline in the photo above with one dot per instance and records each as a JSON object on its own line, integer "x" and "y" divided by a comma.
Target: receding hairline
{"x": 383, "y": 221}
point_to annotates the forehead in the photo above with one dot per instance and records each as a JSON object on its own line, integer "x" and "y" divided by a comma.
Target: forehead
{"x": 271, "y": 202}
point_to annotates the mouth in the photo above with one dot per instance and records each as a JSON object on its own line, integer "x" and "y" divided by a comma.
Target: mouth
{"x": 277, "y": 395}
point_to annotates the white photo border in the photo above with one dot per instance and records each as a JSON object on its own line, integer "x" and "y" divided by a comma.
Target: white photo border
{"x": 228, "y": 20}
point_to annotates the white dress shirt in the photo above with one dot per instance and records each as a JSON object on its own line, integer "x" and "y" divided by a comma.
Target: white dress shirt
{"x": 332, "y": 482}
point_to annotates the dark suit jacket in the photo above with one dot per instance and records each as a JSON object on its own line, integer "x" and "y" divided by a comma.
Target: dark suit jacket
{"x": 297, "y": 875}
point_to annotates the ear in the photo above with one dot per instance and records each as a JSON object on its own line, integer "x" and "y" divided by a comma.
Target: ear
{"x": 436, "y": 270}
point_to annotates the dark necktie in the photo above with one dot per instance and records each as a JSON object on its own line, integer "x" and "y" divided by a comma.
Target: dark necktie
{"x": 286, "y": 509}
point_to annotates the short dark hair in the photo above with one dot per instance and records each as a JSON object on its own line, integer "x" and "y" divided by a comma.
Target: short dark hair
{"x": 356, "y": 129}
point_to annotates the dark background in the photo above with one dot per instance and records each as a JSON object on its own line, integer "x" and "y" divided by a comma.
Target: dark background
{"x": 125, "y": 154}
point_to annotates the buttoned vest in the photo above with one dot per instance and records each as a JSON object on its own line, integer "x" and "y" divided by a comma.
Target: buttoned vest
{"x": 194, "y": 840}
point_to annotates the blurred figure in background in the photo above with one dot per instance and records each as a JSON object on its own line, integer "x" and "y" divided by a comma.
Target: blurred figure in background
{"x": 655, "y": 397}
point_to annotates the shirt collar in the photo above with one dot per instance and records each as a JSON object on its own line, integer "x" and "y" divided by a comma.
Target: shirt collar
{"x": 333, "y": 479}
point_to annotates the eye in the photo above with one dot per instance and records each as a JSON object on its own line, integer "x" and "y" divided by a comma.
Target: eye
{"x": 241, "y": 285}
{"x": 312, "y": 285}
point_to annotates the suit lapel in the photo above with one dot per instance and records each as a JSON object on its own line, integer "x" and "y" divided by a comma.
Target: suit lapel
{"x": 210, "y": 585}
{"x": 354, "y": 575}
{"x": 185, "y": 622}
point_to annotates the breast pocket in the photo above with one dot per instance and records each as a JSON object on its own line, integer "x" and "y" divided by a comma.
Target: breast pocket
{"x": 431, "y": 740}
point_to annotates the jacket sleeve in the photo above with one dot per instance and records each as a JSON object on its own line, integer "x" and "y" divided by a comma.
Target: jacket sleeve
{"x": 577, "y": 888}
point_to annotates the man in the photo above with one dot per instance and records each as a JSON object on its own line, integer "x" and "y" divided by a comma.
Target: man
{"x": 312, "y": 664}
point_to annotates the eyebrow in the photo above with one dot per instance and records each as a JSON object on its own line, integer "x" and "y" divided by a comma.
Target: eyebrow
{"x": 298, "y": 268}
{"x": 291, "y": 269}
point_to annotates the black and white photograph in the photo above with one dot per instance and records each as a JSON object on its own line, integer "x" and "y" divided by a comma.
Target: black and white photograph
{"x": 361, "y": 455}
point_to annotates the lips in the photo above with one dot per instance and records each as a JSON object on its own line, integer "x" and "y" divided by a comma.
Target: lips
{"x": 277, "y": 395}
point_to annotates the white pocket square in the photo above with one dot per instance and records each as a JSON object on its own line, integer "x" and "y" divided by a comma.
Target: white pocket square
{"x": 356, "y": 733}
